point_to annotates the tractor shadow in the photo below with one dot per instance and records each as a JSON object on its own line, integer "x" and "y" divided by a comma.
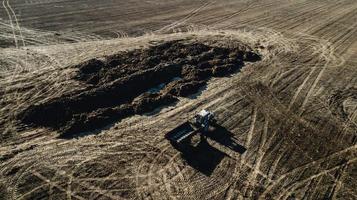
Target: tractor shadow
{"x": 225, "y": 138}
{"x": 201, "y": 155}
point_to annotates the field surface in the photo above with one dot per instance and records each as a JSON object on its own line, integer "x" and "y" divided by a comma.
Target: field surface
{"x": 90, "y": 88}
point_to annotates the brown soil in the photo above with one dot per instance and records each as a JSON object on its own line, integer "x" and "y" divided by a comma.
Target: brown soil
{"x": 298, "y": 124}
{"x": 339, "y": 102}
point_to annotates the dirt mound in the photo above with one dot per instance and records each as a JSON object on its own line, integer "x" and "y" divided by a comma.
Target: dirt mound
{"x": 136, "y": 82}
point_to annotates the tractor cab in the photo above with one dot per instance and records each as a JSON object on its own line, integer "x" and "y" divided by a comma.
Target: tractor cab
{"x": 203, "y": 119}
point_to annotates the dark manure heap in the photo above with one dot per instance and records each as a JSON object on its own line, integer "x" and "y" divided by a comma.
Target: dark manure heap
{"x": 135, "y": 82}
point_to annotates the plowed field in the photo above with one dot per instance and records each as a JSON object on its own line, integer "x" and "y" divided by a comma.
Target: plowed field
{"x": 90, "y": 88}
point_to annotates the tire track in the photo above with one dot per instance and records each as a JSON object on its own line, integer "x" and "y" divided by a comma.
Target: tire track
{"x": 186, "y": 18}
{"x": 307, "y": 78}
{"x": 245, "y": 8}
{"x": 338, "y": 182}
{"x": 17, "y": 23}
{"x": 253, "y": 176}
{"x": 304, "y": 15}
{"x": 271, "y": 20}
{"x": 296, "y": 185}
{"x": 312, "y": 88}
{"x": 11, "y": 23}
{"x": 321, "y": 29}
{"x": 306, "y": 166}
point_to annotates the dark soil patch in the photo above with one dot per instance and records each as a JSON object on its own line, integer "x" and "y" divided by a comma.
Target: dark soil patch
{"x": 3, "y": 192}
{"x": 338, "y": 102}
{"x": 119, "y": 85}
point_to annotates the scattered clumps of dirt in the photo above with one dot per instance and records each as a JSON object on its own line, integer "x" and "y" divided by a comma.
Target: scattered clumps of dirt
{"x": 4, "y": 191}
{"x": 343, "y": 103}
{"x": 136, "y": 82}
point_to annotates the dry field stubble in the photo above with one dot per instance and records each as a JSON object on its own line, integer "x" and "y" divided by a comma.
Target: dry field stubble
{"x": 294, "y": 110}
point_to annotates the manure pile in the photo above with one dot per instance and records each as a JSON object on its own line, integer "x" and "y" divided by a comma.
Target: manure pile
{"x": 136, "y": 82}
